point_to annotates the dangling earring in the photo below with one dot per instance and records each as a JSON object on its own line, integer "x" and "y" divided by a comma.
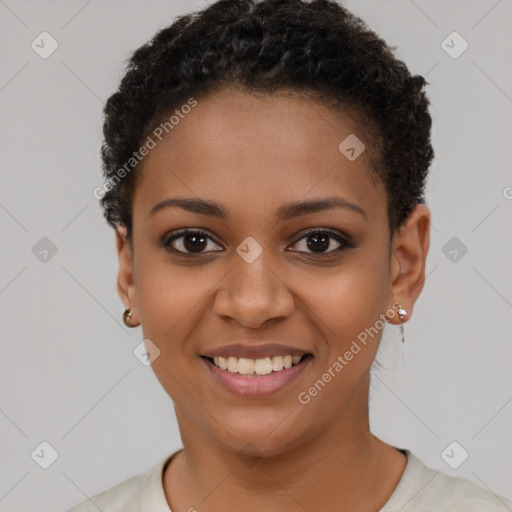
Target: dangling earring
{"x": 127, "y": 316}
{"x": 401, "y": 315}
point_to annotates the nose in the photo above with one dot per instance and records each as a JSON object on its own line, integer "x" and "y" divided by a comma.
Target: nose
{"x": 253, "y": 295}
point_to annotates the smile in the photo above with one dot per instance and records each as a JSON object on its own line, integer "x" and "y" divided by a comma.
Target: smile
{"x": 261, "y": 366}
{"x": 256, "y": 377}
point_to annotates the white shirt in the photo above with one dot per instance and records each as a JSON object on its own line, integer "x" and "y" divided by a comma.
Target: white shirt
{"x": 420, "y": 489}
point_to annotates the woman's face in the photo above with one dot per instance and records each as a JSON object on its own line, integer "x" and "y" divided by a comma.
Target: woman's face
{"x": 265, "y": 279}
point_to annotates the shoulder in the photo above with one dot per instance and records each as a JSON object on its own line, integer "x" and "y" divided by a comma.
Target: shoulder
{"x": 455, "y": 493}
{"x": 121, "y": 497}
{"x": 424, "y": 489}
{"x": 128, "y": 495}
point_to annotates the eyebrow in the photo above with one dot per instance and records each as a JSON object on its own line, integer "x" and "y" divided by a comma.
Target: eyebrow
{"x": 285, "y": 212}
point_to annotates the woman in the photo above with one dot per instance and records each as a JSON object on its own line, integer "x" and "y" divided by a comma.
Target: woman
{"x": 266, "y": 166}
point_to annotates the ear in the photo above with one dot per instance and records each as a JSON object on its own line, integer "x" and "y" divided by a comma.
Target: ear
{"x": 125, "y": 278}
{"x": 408, "y": 255}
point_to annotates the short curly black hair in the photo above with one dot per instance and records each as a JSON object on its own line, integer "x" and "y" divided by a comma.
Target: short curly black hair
{"x": 313, "y": 47}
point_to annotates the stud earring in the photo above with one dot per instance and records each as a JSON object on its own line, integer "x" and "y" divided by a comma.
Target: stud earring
{"x": 127, "y": 317}
{"x": 401, "y": 315}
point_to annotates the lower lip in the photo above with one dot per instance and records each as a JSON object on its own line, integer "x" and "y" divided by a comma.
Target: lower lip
{"x": 257, "y": 385}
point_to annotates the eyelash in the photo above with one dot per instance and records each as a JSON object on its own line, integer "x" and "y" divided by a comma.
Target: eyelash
{"x": 345, "y": 244}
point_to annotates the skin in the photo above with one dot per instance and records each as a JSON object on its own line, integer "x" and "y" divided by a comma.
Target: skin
{"x": 253, "y": 155}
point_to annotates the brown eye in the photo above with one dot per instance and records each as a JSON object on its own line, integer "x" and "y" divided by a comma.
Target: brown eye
{"x": 318, "y": 242}
{"x": 189, "y": 242}
{"x": 321, "y": 242}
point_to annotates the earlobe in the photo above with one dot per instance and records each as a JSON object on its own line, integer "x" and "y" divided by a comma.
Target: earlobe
{"x": 409, "y": 253}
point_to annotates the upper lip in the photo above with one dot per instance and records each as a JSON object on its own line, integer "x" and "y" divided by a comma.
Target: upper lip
{"x": 254, "y": 351}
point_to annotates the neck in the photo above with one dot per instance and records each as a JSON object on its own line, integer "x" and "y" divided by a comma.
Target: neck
{"x": 344, "y": 468}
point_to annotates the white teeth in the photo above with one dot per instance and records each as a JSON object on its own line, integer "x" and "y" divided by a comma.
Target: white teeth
{"x": 277, "y": 363}
{"x": 245, "y": 366}
{"x": 233, "y": 364}
{"x": 263, "y": 366}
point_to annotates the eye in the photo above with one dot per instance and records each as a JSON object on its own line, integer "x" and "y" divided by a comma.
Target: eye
{"x": 188, "y": 241}
{"x": 319, "y": 241}
{"x": 196, "y": 241}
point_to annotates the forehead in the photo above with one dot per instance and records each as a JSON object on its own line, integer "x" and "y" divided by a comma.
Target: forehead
{"x": 243, "y": 151}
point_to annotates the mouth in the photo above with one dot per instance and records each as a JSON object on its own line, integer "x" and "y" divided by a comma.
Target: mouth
{"x": 257, "y": 377}
{"x": 256, "y": 367}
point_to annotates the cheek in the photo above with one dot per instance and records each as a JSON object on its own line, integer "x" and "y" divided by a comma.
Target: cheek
{"x": 348, "y": 300}
{"x": 167, "y": 291}
{"x": 168, "y": 299}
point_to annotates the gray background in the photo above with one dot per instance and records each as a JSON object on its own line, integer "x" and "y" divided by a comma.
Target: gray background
{"x": 68, "y": 374}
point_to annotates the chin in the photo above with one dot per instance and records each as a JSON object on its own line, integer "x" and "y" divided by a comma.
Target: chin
{"x": 263, "y": 439}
